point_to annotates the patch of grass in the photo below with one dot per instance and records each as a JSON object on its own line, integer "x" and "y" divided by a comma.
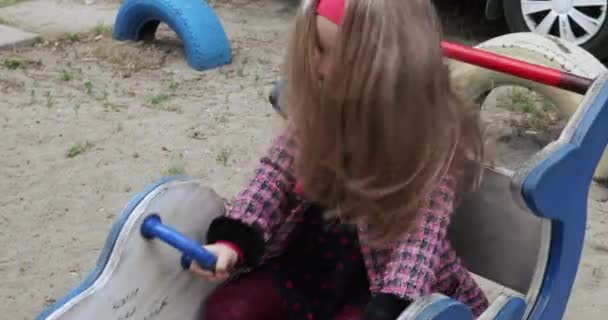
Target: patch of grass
{"x": 223, "y": 156}
{"x": 6, "y": 3}
{"x": 66, "y": 75}
{"x": 72, "y": 37}
{"x": 157, "y": 99}
{"x": 89, "y": 87}
{"x": 173, "y": 86}
{"x": 78, "y": 148}
{"x": 523, "y": 101}
{"x": 175, "y": 170}
{"x": 103, "y": 95}
{"x": 101, "y": 30}
{"x": 538, "y": 113}
{"x": 13, "y": 64}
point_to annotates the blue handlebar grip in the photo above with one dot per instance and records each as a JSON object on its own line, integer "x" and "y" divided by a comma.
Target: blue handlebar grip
{"x": 152, "y": 228}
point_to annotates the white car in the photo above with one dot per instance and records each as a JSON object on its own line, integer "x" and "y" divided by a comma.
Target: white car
{"x": 583, "y": 22}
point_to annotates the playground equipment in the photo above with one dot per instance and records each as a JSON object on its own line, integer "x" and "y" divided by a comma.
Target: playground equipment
{"x": 528, "y": 235}
{"x": 205, "y": 42}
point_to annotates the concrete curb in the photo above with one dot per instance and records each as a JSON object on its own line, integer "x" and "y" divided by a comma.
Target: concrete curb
{"x": 12, "y": 37}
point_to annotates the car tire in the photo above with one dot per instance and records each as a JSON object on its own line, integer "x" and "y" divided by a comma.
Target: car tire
{"x": 597, "y": 43}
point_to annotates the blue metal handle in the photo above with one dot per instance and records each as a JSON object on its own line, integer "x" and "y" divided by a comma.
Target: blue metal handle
{"x": 152, "y": 227}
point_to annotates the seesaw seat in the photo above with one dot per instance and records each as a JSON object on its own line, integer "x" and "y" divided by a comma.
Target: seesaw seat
{"x": 523, "y": 230}
{"x": 139, "y": 279}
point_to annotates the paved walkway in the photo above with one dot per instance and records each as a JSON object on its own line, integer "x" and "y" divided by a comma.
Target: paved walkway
{"x": 11, "y": 37}
{"x": 30, "y": 19}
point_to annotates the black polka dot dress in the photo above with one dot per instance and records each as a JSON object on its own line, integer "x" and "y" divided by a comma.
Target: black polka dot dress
{"x": 322, "y": 271}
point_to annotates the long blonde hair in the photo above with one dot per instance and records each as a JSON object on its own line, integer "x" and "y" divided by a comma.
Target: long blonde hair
{"x": 385, "y": 126}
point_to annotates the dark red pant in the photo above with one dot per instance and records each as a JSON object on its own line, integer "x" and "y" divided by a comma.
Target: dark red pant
{"x": 255, "y": 297}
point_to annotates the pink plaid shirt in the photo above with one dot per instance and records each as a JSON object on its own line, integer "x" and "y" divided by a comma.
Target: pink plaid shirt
{"x": 420, "y": 263}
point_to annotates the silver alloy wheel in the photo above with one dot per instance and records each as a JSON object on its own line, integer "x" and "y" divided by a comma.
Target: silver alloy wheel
{"x": 573, "y": 20}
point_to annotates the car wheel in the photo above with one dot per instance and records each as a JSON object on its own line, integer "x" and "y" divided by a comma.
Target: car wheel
{"x": 583, "y": 22}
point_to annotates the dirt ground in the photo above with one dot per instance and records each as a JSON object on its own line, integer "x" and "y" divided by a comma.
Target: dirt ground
{"x": 88, "y": 121}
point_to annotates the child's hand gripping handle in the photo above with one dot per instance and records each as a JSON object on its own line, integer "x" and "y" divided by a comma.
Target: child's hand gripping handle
{"x": 152, "y": 227}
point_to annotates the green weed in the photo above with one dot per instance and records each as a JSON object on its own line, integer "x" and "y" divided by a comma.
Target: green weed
{"x": 223, "y": 156}
{"x": 89, "y": 87}
{"x": 13, "y": 64}
{"x": 72, "y": 37}
{"x": 157, "y": 99}
{"x": 101, "y": 29}
{"x": 78, "y": 148}
{"x": 66, "y": 75}
{"x": 6, "y": 3}
{"x": 175, "y": 170}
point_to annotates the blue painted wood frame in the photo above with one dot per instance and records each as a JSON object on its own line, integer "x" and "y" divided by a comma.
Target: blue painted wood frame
{"x": 556, "y": 187}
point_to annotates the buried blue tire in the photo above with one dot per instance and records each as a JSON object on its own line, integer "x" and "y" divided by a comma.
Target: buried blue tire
{"x": 205, "y": 42}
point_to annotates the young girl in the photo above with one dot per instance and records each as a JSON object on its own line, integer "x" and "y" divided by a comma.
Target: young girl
{"x": 346, "y": 217}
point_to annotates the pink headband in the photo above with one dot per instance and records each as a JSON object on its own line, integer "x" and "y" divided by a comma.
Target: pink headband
{"x": 331, "y": 9}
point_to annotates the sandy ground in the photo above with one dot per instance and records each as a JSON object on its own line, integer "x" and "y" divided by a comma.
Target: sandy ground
{"x": 87, "y": 122}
